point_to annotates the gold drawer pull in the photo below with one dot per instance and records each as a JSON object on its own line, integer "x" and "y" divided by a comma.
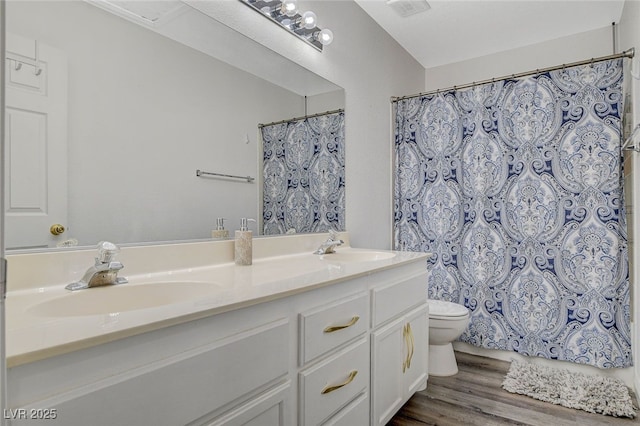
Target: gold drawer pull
{"x": 352, "y": 376}
{"x": 340, "y": 327}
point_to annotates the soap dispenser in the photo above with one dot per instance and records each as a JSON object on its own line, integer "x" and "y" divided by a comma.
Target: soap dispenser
{"x": 220, "y": 233}
{"x": 244, "y": 243}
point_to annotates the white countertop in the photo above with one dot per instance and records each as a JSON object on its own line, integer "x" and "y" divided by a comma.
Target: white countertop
{"x": 32, "y": 335}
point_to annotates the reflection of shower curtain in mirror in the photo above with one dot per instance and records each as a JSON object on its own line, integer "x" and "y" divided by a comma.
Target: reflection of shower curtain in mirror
{"x": 516, "y": 188}
{"x": 303, "y": 175}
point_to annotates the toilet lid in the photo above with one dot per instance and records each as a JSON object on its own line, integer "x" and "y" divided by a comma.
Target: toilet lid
{"x": 440, "y": 308}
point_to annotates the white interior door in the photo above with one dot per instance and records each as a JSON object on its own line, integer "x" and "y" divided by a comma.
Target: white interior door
{"x": 35, "y": 143}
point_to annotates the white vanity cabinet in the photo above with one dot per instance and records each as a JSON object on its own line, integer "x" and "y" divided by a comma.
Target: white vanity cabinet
{"x": 331, "y": 353}
{"x": 396, "y": 330}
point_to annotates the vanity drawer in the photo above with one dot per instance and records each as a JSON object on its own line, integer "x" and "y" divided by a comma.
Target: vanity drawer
{"x": 391, "y": 300}
{"x": 329, "y": 326}
{"x": 333, "y": 383}
{"x": 356, "y": 413}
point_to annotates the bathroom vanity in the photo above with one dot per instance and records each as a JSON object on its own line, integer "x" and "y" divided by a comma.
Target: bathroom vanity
{"x": 193, "y": 339}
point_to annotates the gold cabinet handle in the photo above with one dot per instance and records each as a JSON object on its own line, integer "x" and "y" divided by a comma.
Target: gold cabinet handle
{"x": 412, "y": 341}
{"x": 56, "y": 229}
{"x": 352, "y": 376}
{"x": 341, "y": 327}
{"x": 404, "y": 337}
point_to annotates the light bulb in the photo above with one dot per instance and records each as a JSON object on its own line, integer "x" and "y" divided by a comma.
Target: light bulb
{"x": 289, "y": 7}
{"x": 308, "y": 20}
{"x": 324, "y": 36}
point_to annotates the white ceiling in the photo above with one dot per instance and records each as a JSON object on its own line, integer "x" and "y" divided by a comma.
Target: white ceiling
{"x": 456, "y": 30}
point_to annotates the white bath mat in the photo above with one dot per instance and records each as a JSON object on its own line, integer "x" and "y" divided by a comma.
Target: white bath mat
{"x": 595, "y": 394}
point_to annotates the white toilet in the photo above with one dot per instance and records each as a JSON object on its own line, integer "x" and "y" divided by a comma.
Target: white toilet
{"x": 447, "y": 321}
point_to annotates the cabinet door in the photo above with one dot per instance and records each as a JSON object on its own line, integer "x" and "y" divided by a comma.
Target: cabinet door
{"x": 417, "y": 324}
{"x": 388, "y": 355}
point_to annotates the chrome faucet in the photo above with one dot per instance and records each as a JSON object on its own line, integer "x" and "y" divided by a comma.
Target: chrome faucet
{"x": 104, "y": 271}
{"x": 329, "y": 245}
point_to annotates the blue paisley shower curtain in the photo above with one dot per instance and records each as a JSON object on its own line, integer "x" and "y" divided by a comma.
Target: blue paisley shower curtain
{"x": 303, "y": 171}
{"x": 515, "y": 187}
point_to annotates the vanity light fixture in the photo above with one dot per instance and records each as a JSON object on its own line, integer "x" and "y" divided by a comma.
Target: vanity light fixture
{"x": 285, "y": 13}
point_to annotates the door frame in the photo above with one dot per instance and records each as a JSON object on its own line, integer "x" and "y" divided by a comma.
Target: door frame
{"x": 3, "y": 284}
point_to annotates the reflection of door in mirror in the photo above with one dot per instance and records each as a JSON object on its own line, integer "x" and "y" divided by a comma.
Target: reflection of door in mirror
{"x": 35, "y": 143}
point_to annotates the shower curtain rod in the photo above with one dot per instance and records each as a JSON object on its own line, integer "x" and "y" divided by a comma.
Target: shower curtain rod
{"x": 626, "y": 54}
{"x": 335, "y": 111}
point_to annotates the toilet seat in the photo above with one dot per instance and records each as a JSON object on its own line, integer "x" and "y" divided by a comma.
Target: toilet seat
{"x": 439, "y": 309}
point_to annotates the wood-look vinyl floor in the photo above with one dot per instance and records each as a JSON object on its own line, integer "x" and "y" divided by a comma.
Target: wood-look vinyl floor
{"x": 474, "y": 396}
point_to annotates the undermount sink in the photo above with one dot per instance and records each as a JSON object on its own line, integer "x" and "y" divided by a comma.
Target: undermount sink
{"x": 357, "y": 256}
{"x": 122, "y": 298}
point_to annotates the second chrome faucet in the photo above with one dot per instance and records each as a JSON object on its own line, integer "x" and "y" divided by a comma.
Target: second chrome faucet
{"x": 330, "y": 245}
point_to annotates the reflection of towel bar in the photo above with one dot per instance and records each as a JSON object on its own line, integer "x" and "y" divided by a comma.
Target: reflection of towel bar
{"x": 247, "y": 178}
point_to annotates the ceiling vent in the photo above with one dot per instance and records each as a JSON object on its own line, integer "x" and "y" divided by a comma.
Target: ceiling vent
{"x": 406, "y": 8}
{"x": 148, "y": 11}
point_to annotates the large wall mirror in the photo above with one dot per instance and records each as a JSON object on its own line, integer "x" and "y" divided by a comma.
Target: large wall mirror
{"x": 112, "y": 107}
